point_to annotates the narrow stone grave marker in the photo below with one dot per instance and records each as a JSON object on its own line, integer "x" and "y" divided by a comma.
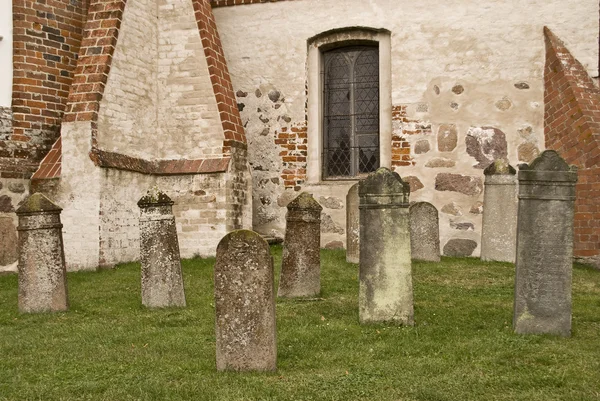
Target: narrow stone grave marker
{"x": 544, "y": 260}
{"x": 162, "y": 280}
{"x": 352, "y": 226}
{"x": 385, "y": 288}
{"x": 424, "y": 232}
{"x": 301, "y": 261}
{"x": 245, "y": 304}
{"x": 42, "y": 273}
{"x": 499, "y": 227}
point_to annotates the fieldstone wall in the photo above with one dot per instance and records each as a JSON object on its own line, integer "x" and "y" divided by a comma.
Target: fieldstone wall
{"x": 461, "y": 98}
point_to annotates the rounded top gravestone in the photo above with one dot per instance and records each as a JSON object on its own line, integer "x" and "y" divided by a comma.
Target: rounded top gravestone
{"x": 383, "y": 187}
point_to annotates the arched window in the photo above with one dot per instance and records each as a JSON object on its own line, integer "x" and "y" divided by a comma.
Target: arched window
{"x": 349, "y": 103}
{"x": 350, "y": 111}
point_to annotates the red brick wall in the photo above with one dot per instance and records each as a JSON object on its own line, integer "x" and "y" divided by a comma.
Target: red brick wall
{"x": 293, "y": 153}
{"x": 46, "y": 40}
{"x": 572, "y": 128}
{"x": 219, "y": 76}
{"x": 100, "y": 38}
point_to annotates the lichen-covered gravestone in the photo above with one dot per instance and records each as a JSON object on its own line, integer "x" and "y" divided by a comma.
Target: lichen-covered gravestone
{"x": 544, "y": 260}
{"x": 42, "y": 273}
{"x": 385, "y": 288}
{"x": 245, "y": 304}
{"x": 162, "y": 280}
{"x": 301, "y": 260}
{"x": 424, "y": 232}
{"x": 352, "y": 226}
{"x": 499, "y": 227}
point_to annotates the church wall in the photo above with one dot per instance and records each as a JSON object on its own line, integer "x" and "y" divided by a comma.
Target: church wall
{"x": 466, "y": 87}
{"x": 159, "y": 89}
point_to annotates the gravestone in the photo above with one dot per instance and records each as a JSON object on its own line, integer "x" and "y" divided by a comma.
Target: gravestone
{"x": 301, "y": 261}
{"x": 8, "y": 241}
{"x": 162, "y": 280}
{"x": 544, "y": 259}
{"x": 352, "y": 226}
{"x": 41, "y": 266}
{"x": 385, "y": 288}
{"x": 245, "y": 304}
{"x": 424, "y": 232}
{"x": 499, "y": 227}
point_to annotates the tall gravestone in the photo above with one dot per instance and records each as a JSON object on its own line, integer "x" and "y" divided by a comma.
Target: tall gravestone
{"x": 544, "y": 246}
{"x": 301, "y": 261}
{"x": 499, "y": 228}
{"x": 424, "y": 232}
{"x": 42, "y": 273}
{"x": 352, "y": 226}
{"x": 162, "y": 280}
{"x": 245, "y": 304}
{"x": 385, "y": 288}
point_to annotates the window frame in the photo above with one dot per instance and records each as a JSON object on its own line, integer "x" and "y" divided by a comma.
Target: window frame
{"x": 316, "y": 47}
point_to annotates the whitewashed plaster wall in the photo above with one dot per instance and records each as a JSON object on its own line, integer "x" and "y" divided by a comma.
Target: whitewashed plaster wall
{"x": 457, "y": 65}
{"x": 159, "y": 101}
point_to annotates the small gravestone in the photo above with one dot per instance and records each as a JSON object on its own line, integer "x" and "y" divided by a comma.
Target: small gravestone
{"x": 301, "y": 261}
{"x": 544, "y": 259}
{"x": 424, "y": 232}
{"x": 245, "y": 304}
{"x": 385, "y": 288}
{"x": 352, "y": 226}
{"x": 162, "y": 280}
{"x": 499, "y": 228}
{"x": 42, "y": 273}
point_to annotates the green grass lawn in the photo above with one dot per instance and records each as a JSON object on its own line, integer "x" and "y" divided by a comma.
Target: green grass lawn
{"x": 462, "y": 347}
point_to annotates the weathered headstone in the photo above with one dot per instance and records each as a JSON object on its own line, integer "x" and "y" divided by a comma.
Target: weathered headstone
{"x": 162, "y": 280}
{"x": 352, "y": 226}
{"x": 385, "y": 288}
{"x": 499, "y": 227}
{"x": 42, "y": 273}
{"x": 245, "y": 304}
{"x": 8, "y": 241}
{"x": 424, "y": 232}
{"x": 301, "y": 261}
{"x": 544, "y": 259}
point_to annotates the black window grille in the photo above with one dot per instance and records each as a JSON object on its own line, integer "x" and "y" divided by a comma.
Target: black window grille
{"x": 351, "y": 111}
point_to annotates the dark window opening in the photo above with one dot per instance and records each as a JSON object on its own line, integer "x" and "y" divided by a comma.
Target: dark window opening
{"x": 350, "y": 111}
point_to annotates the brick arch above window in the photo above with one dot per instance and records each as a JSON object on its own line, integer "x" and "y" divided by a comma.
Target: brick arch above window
{"x": 329, "y": 40}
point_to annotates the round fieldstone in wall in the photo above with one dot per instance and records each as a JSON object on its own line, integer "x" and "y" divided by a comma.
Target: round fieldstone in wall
{"x": 503, "y": 104}
{"x": 414, "y": 182}
{"x": 458, "y": 89}
{"x": 463, "y": 184}
{"x": 16, "y": 187}
{"x": 331, "y": 202}
{"x": 527, "y": 152}
{"x": 330, "y": 226}
{"x": 422, "y": 146}
{"x": 6, "y": 205}
{"x": 452, "y": 209}
{"x": 463, "y": 225}
{"x": 458, "y": 247}
{"x": 477, "y": 208}
{"x": 486, "y": 144}
{"x": 447, "y": 137}
{"x": 440, "y": 162}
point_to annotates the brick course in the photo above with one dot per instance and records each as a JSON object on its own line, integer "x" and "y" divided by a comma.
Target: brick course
{"x": 572, "y": 128}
